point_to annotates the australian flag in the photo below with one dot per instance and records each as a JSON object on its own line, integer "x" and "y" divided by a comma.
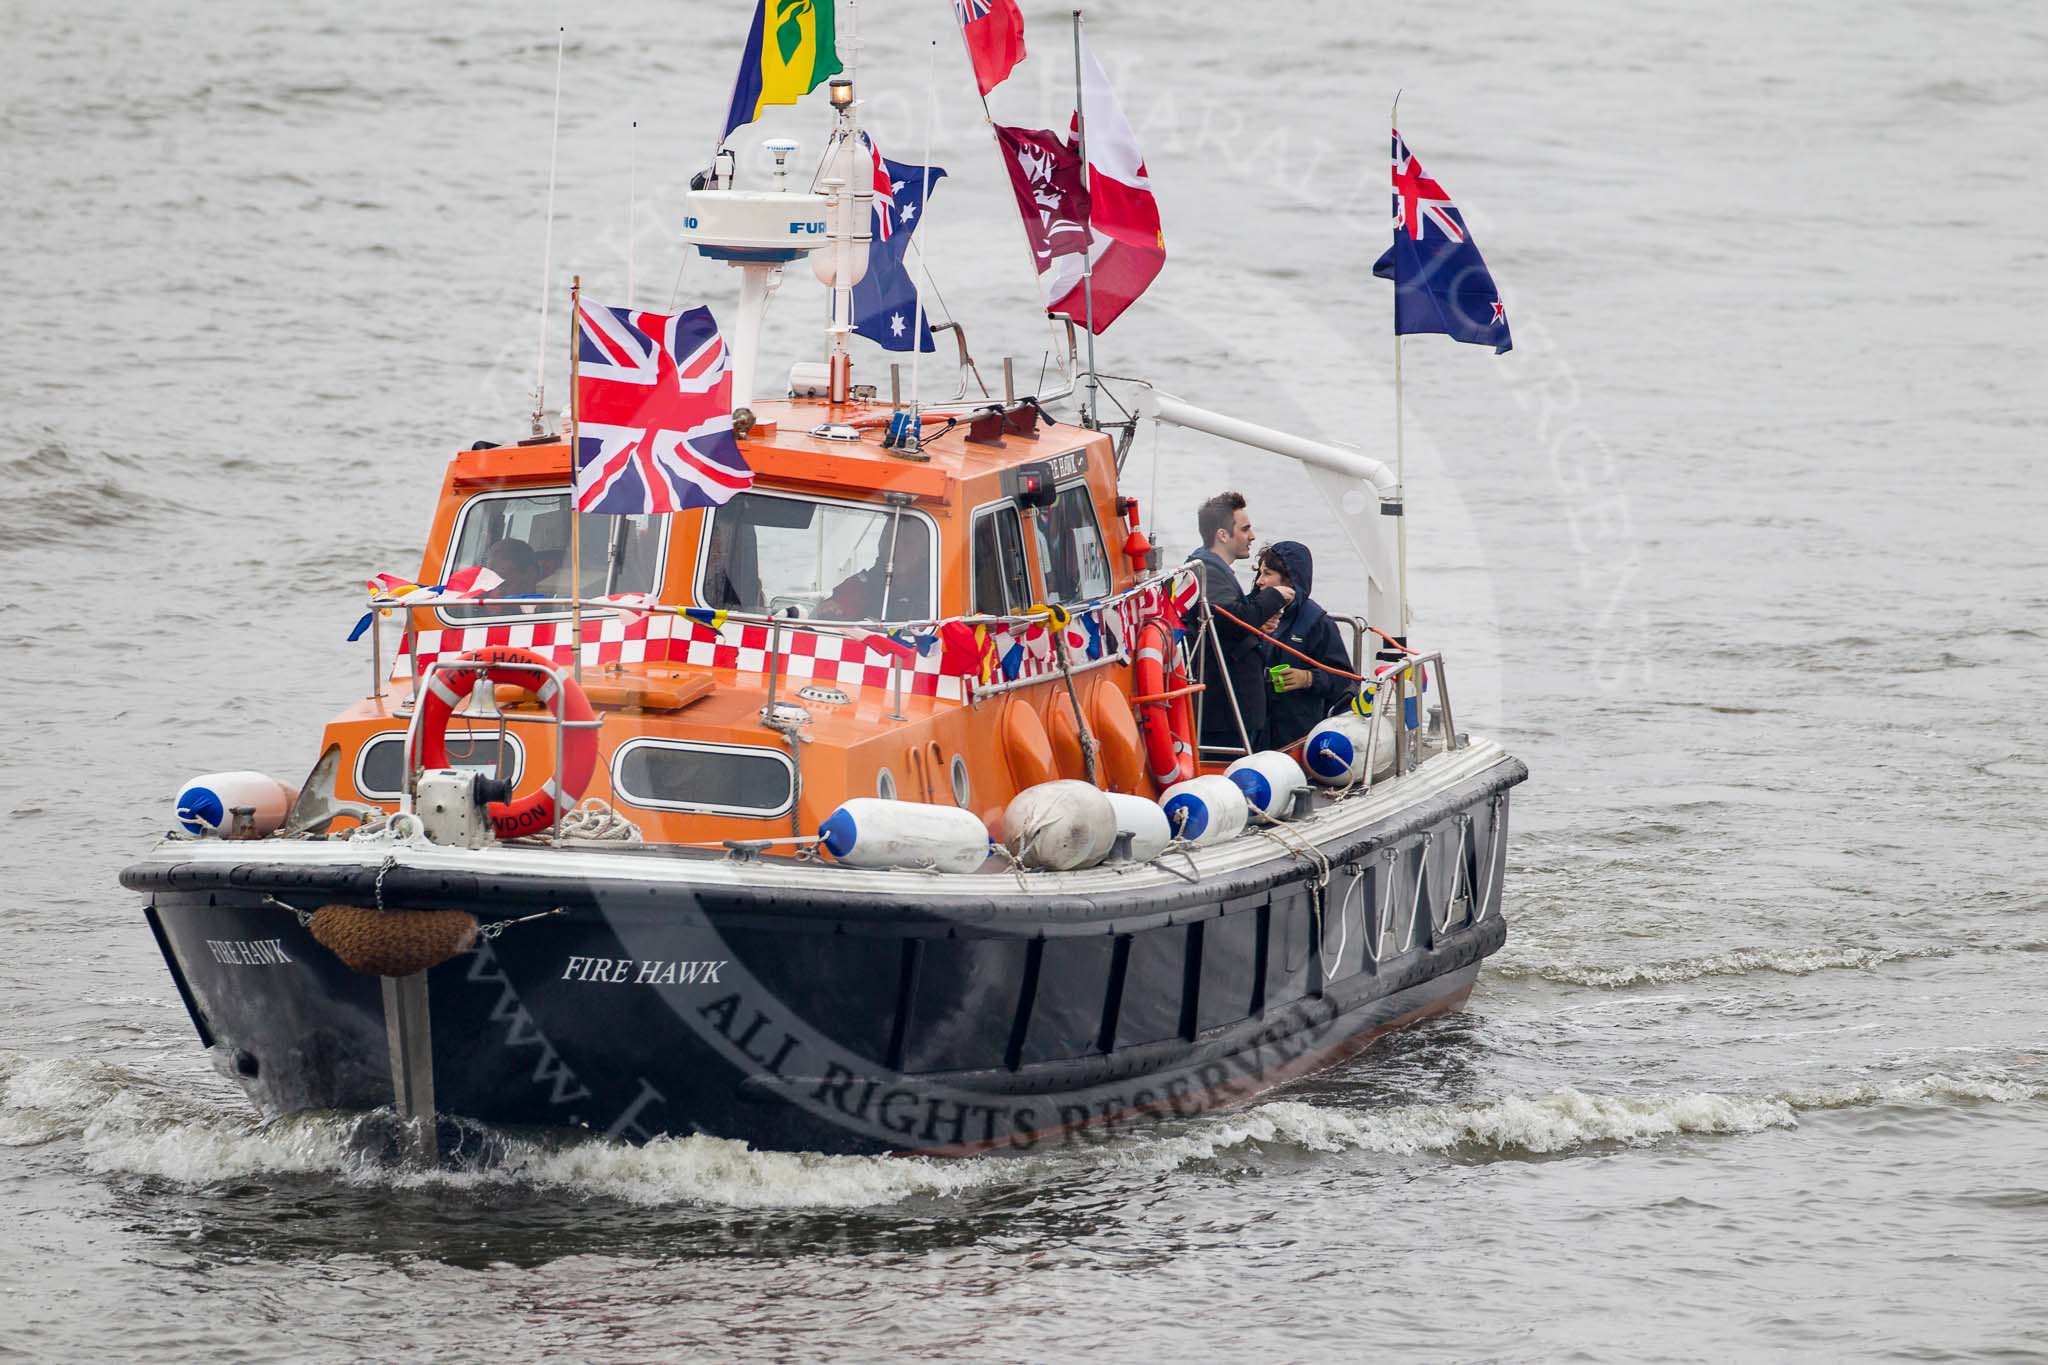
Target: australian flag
{"x": 1440, "y": 283}
{"x": 885, "y": 300}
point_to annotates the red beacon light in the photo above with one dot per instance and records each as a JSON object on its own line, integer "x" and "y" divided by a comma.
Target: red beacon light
{"x": 1137, "y": 547}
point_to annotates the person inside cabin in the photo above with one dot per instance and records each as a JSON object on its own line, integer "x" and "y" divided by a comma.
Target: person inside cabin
{"x": 732, "y": 575}
{"x": 908, "y": 578}
{"x": 1226, "y": 530}
{"x": 515, "y": 563}
{"x": 1300, "y": 695}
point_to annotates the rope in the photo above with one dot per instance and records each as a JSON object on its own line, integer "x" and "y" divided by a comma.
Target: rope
{"x": 1193, "y": 876}
{"x": 595, "y": 820}
{"x": 399, "y": 827}
{"x": 1015, "y": 864}
{"x": 1318, "y": 885}
{"x": 1316, "y": 663}
{"x": 1059, "y": 641}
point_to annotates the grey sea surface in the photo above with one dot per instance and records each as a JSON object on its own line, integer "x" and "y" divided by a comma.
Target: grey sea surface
{"x": 1741, "y": 548}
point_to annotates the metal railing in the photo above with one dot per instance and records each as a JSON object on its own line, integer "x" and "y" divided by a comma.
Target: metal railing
{"x": 561, "y": 723}
{"x": 556, "y": 610}
{"x": 1400, "y": 676}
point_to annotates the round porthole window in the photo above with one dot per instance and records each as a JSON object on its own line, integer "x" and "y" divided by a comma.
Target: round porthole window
{"x": 885, "y": 785}
{"x": 959, "y": 781}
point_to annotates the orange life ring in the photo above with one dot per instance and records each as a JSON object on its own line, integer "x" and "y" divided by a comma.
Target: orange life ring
{"x": 1166, "y": 716}
{"x": 444, "y": 691}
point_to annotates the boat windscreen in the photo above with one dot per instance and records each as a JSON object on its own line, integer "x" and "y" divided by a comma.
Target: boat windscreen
{"x": 524, "y": 539}
{"x": 779, "y": 553}
{"x": 1070, "y": 548}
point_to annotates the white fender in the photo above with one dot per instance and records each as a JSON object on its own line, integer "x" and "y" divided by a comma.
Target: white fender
{"x": 1144, "y": 821}
{"x": 1060, "y": 826}
{"x": 869, "y": 831}
{"x": 206, "y": 804}
{"x": 1269, "y": 781}
{"x": 1205, "y": 810}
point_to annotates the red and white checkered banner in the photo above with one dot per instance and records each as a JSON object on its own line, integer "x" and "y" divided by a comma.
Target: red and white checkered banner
{"x": 606, "y": 640}
{"x": 849, "y": 659}
{"x": 932, "y": 666}
{"x": 852, "y": 659}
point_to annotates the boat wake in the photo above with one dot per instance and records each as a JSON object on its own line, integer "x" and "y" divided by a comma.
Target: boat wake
{"x": 1737, "y": 962}
{"x": 125, "y": 1123}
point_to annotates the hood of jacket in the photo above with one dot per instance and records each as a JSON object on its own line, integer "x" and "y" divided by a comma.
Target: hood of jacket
{"x": 1301, "y": 614}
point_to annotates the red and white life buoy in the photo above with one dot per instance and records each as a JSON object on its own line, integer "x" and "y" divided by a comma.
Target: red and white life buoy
{"x": 445, "y": 691}
{"x": 1166, "y": 715}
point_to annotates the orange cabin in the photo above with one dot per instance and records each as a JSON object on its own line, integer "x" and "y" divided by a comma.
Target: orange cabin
{"x": 683, "y": 751}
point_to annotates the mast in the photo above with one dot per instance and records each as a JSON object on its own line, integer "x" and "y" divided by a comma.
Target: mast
{"x": 1088, "y": 252}
{"x": 849, "y": 184}
{"x": 1400, "y": 443}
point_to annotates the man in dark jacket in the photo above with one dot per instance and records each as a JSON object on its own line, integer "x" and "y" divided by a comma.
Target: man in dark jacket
{"x": 1306, "y": 695}
{"x": 1226, "y": 538}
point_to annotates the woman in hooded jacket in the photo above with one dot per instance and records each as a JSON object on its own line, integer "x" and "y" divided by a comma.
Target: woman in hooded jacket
{"x": 1303, "y": 696}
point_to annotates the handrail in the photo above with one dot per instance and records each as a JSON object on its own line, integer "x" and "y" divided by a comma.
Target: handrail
{"x": 558, "y": 611}
{"x": 560, "y": 605}
{"x": 967, "y": 365}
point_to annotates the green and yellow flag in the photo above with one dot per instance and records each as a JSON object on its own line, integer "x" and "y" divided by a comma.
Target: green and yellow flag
{"x": 790, "y": 50}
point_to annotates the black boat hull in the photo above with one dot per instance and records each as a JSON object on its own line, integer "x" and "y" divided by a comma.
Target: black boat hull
{"x": 998, "y": 1015}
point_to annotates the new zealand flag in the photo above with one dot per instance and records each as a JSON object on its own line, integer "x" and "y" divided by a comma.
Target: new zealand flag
{"x": 1440, "y": 283}
{"x": 885, "y": 299}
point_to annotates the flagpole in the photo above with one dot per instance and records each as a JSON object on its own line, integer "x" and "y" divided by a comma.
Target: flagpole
{"x": 1400, "y": 488}
{"x": 988, "y": 121}
{"x": 931, "y": 108}
{"x": 1087, "y": 251}
{"x": 575, "y": 512}
{"x": 1400, "y": 441}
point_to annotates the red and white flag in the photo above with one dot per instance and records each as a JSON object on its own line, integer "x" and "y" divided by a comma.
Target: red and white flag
{"x": 994, "y": 32}
{"x": 1126, "y": 248}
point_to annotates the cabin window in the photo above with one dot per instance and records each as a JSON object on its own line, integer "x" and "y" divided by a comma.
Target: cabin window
{"x": 711, "y": 779}
{"x": 380, "y": 766}
{"x": 524, "y": 539}
{"x": 794, "y": 556}
{"x": 1002, "y": 583}
{"x": 1070, "y": 547}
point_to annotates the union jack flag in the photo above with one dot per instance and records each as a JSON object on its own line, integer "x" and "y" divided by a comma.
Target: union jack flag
{"x": 1417, "y": 197}
{"x": 967, "y": 11}
{"x": 653, "y": 413}
{"x": 885, "y": 193}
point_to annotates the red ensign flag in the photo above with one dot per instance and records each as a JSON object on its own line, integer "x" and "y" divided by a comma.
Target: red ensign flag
{"x": 994, "y": 31}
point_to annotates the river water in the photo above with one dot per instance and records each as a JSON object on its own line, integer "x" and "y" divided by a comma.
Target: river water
{"x": 1740, "y": 549}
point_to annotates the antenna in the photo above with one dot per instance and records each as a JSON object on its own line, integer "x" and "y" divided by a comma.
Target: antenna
{"x": 632, "y": 201}
{"x": 547, "y": 253}
{"x": 1088, "y": 253}
{"x": 931, "y": 112}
